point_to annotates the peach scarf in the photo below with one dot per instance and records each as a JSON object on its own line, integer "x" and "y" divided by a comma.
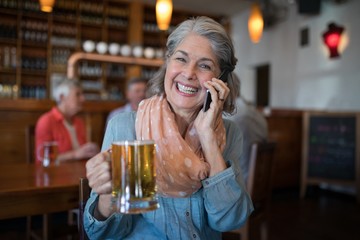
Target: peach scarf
{"x": 180, "y": 162}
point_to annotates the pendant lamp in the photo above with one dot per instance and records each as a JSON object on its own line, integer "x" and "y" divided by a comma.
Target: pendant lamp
{"x": 255, "y": 23}
{"x": 163, "y": 13}
{"x": 46, "y": 5}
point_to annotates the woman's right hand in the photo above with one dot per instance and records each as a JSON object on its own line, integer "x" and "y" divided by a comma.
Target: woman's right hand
{"x": 98, "y": 173}
{"x": 86, "y": 151}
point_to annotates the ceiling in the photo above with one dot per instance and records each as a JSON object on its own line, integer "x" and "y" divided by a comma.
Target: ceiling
{"x": 216, "y": 7}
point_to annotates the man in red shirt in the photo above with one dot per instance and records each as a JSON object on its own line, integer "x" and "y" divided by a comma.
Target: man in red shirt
{"x": 61, "y": 124}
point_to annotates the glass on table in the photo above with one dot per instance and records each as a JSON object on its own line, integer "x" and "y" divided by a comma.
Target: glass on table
{"x": 47, "y": 152}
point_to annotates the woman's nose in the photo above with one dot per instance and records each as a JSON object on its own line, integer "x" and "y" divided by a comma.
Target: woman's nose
{"x": 189, "y": 72}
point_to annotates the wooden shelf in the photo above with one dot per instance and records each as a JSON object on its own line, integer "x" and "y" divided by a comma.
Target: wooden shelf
{"x": 38, "y": 15}
{"x": 7, "y": 71}
{"x": 119, "y": 21}
{"x": 8, "y": 41}
{"x": 114, "y": 27}
{"x": 34, "y": 44}
{"x": 30, "y": 105}
{"x": 35, "y": 72}
{"x": 91, "y": 24}
{"x": 8, "y": 11}
{"x": 110, "y": 59}
{"x": 58, "y": 68}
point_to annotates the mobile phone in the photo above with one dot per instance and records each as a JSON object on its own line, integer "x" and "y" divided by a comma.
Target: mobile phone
{"x": 206, "y": 106}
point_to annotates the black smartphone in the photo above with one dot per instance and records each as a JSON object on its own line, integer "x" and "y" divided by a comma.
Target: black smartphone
{"x": 223, "y": 77}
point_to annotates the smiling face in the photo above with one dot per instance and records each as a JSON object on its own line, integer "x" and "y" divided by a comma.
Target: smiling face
{"x": 192, "y": 64}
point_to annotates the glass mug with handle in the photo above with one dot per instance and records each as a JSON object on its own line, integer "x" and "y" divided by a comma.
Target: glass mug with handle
{"x": 47, "y": 152}
{"x": 134, "y": 176}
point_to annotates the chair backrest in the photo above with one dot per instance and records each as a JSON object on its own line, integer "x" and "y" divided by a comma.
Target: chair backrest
{"x": 30, "y": 143}
{"x": 261, "y": 171}
{"x": 259, "y": 186}
{"x": 84, "y": 193}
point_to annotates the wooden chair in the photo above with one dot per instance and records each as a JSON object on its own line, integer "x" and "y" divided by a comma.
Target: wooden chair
{"x": 84, "y": 193}
{"x": 259, "y": 185}
{"x": 30, "y": 158}
{"x": 46, "y": 218}
{"x": 30, "y": 143}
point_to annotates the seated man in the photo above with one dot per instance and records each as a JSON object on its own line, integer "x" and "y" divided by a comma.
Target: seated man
{"x": 135, "y": 93}
{"x": 61, "y": 124}
{"x": 254, "y": 128}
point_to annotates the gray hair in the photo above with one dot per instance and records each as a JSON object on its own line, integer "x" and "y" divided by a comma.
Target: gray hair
{"x": 64, "y": 87}
{"x": 221, "y": 45}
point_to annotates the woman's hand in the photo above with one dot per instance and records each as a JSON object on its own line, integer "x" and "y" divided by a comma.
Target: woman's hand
{"x": 205, "y": 125}
{"x": 219, "y": 91}
{"x": 98, "y": 172}
{"x": 86, "y": 151}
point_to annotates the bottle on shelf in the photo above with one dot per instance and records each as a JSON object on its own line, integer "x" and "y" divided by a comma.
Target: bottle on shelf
{"x": 60, "y": 56}
{"x": 6, "y": 57}
{"x": 8, "y": 89}
{"x": 15, "y": 91}
{"x": 13, "y": 58}
{"x": 33, "y": 91}
{"x": 9, "y": 4}
{"x": 34, "y": 63}
{"x": 1, "y": 58}
{"x": 8, "y": 31}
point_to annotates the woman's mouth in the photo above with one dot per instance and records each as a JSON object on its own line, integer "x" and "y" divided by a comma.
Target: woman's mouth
{"x": 186, "y": 89}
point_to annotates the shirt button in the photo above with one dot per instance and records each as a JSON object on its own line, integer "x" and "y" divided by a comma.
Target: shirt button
{"x": 194, "y": 235}
{"x": 207, "y": 182}
{"x": 187, "y": 214}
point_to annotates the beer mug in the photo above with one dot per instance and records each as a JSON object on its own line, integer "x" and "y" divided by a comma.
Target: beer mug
{"x": 133, "y": 176}
{"x": 48, "y": 153}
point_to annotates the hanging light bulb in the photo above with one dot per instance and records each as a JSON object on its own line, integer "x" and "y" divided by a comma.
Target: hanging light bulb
{"x": 163, "y": 13}
{"x": 255, "y": 23}
{"x": 46, "y": 5}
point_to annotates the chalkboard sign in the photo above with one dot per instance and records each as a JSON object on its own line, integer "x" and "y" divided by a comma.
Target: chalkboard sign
{"x": 331, "y": 149}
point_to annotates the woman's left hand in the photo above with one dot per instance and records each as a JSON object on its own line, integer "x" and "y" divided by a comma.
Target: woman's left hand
{"x": 205, "y": 125}
{"x": 219, "y": 91}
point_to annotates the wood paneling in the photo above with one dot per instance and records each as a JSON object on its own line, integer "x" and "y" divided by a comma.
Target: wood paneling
{"x": 18, "y": 115}
{"x": 10, "y": 144}
{"x": 285, "y": 128}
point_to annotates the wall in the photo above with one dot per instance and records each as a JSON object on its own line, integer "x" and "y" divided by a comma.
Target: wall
{"x": 303, "y": 77}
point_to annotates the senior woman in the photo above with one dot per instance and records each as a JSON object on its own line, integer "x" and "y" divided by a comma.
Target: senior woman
{"x": 196, "y": 202}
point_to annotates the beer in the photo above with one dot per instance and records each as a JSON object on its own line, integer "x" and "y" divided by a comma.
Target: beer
{"x": 133, "y": 176}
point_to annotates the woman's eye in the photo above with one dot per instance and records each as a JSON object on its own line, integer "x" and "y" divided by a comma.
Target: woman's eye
{"x": 180, "y": 59}
{"x": 205, "y": 66}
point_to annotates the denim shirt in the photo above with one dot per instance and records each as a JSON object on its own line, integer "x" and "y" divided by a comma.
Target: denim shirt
{"x": 222, "y": 204}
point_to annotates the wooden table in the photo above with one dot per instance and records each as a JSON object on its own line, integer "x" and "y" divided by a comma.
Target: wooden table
{"x": 30, "y": 189}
